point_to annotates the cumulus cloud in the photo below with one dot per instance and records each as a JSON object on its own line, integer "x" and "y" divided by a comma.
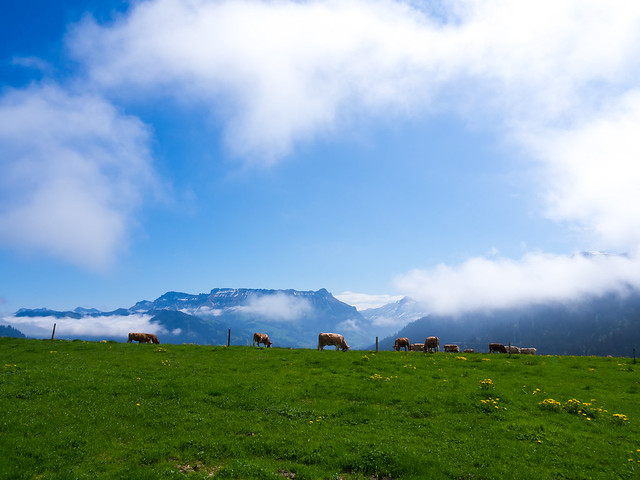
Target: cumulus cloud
{"x": 73, "y": 172}
{"x": 548, "y": 76}
{"x": 592, "y": 173}
{"x": 280, "y": 72}
{"x": 275, "y": 72}
{"x": 278, "y": 307}
{"x": 99, "y": 327}
{"x": 480, "y": 283}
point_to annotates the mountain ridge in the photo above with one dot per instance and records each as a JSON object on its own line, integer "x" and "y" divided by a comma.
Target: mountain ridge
{"x": 292, "y": 318}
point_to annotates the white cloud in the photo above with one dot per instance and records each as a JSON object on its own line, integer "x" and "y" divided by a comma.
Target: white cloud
{"x": 363, "y": 301}
{"x": 280, "y": 72}
{"x": 592, "y": 173}
{"x": 275, "y": 72}
{"x": 73, "y": 172}
{"x": 278, "y": 307}
{"x": 349, "y": 325}
{"x": 203, "y": 311}
{"x": 480, "y": 283}
{"x": 66, "y": 327}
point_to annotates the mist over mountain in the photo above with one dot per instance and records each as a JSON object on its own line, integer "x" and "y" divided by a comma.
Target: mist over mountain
{"x": 387, "y": 319}
{"x": 607, "y": 325}
{"x": 291, "y": 318}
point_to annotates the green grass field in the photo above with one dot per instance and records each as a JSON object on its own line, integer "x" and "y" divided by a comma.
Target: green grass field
{"x": 113, "y": 410}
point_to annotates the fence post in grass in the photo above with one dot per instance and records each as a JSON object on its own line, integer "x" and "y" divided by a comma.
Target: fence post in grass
{"x": 634, "y": 356}
{"x": 509, "y": 349}
{"x": 229, "y": 339}
{"x": 377, "y": 346}
{"x": 54, "y": 332}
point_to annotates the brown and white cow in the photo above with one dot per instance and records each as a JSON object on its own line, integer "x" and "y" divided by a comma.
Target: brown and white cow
{"x": 528, "y": 351}
{"x": 336, "y": 339}
{"x": 143, "y": 338}
{"x": 512, "y": 349}
{"x": 401, "y": 342}
{"x": 497, "y": 347}
{"x": 417, "y": 347}
{"x": 452, "y": 348}
{"x": 261, "y": 338}
{"x": 432, "y": 344}
{"x": 468, "y": 350}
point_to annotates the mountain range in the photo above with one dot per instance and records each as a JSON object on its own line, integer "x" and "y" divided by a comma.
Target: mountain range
{"x": 291, "y": 318}
{"x": 605, "y": 325}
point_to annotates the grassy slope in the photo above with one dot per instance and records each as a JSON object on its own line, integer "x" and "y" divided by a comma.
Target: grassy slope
{"x": 83, "y": 410}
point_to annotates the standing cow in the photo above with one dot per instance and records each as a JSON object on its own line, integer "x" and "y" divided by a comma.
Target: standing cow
{"x": 143, "y": 338}
{"x": 452, "y": 348}
{"x": 261, "y": 338}
{"x": 432, "y": 344}
{"x": 336, "y": 339}
{"x": 401, "y": 342}
{"x": 497, "y": 348}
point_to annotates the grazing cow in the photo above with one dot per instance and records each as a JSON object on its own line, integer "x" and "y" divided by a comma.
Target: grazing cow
{"x": 261, "y": 338}
{"x": 417, "y": 347}
{"x": 497, "y": 347}
{"x": 402, "y": 342}
{"x": 143, "y": 338}
{"x": 432, "y": 344}
{"x": 528, "y": 351}
{"x": 512, "y": 349}
{"x": 468, "y": 350}
{"x": 336, "y": 339}
{"x": 452, "y": 348}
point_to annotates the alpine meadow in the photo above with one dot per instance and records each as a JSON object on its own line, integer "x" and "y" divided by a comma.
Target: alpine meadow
{"x": 78, "y": 409}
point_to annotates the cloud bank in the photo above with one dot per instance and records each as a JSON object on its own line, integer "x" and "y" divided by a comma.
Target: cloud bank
{"x": 98, "y": 327}
{"x": 482, "y": 284}
{"x": 278, "y": 307}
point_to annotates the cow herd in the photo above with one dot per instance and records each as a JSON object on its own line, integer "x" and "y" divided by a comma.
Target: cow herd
{"x": 431, "y": 344}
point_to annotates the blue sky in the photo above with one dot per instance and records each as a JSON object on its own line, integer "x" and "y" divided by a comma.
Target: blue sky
{"x": 462, "y": 153}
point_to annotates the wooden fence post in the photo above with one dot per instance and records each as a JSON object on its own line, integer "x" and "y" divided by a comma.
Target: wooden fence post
{"x": 377, "y": 345}
{"x": 634, "y": 356}
{"x": 509, "y": 349}
{"x": 229, "y": 339}
{"x": 54, "y": 331}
